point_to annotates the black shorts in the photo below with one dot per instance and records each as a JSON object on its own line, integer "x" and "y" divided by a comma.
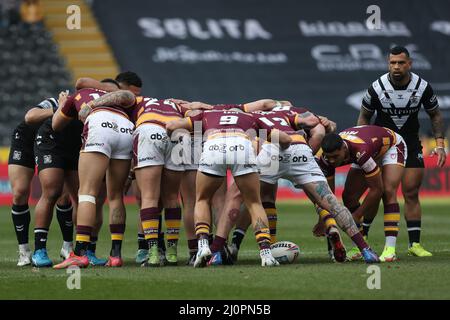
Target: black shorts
{"x": 21, "y": 152}
{"x": 415, "y": 157}
{"x": 52, "y": 151}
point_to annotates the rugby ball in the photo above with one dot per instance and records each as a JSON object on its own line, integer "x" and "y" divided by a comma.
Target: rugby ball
{"x": 285, "y": 252}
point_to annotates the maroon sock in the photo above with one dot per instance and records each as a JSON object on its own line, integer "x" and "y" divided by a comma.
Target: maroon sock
{"x": 193, "y": 245}
{"x": 359, "y": 241}
{"x": 217, "y": 244}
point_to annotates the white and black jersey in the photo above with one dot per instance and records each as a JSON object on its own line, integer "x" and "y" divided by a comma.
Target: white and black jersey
{"x": 398, "y": 107}
{"x": 22, "y": 139}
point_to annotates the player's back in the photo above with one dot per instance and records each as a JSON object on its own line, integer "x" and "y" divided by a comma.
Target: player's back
{"x": 227, "y": 121}
{"x": 155, "y": 111}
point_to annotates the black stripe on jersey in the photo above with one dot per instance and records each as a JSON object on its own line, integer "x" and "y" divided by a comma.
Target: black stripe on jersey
{"x": 414, "y": 92}
{"x": 385, "y": 93}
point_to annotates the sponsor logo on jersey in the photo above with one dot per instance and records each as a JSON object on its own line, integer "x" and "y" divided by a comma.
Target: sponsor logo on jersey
{"x": 47, "y": 158}
{"x": 17, "y": 155}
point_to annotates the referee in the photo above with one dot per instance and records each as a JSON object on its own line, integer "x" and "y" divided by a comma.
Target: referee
{"x": 397, "y": 97}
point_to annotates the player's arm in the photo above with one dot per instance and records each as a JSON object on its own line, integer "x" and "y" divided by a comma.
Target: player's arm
{"x": 374, "y": 182}
{"x": 184, "y": 123}
{"x": 431, "y": 106}
{"x": 120, "y": 98}
{"x": 264, "y": 105}
{"x": 37, "y": 115}
{"x": 83, "y": 83}
{"x": 330, "y": 126}
{"x": 316, "y": 135}
{"x": 62, "y": 118}
{"x": 367, "y": 107}
{"x": 284, "y": 140}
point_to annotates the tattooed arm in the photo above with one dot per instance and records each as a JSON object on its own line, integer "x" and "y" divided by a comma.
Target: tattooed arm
{"x": 437, "y": 124}
{"x": 364, "y": 117}
{"x": 120, "y": 98}
{"x": 320, "y": 193}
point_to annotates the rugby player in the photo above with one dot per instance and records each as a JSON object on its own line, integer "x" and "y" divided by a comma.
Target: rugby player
{"x": 106, "y": 151}
{"x": 378, "y": 157}
{"x": 227, "y": 130}
{"x": 21, "y": 167}
{"x": 397, "y": 97}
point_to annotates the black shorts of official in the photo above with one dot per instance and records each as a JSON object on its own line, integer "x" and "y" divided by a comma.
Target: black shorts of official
{"x": 50, "y": 154}
{"x": 415, "y": 158}
{"x": 21, "y": 152}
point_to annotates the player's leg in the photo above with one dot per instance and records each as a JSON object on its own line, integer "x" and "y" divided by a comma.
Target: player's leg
{"x": 170, "y": 186}
{"x": 354, "y": 188}
{"x": 52, "y": 183}
{"x": 148, "y": 180}
{"x": 20, "y": 179}
{"x": 319, "y": 192}
{"x": 249, "y": 186}
{"x": 228, "y": 217}
{"x": 268, "y": 198}
{"x": 64, "y": 212}
{"x": 187, "y": 190}
{"x": 217, "y": 202}
{"x": 92, "y": 246}
{"x": 116, "y": 176}
{"x": 91, "y": 170}
{"x": 411, "y": 182}
{"x": 142, "y": 252}
{"x": 392, "y": 176}
{"x": 206, "y": 186}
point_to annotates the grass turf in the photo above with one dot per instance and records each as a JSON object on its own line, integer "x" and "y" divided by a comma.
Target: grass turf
{"x": 313, "y": 276}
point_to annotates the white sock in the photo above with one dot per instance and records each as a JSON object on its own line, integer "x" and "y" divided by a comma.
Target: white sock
{"x": 24, "y": 247}
{"x": 391, "y": 241}
{"x": 67, "y": 244}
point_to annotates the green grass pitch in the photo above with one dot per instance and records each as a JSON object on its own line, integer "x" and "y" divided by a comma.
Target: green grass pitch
{"x": 313, "y": 276}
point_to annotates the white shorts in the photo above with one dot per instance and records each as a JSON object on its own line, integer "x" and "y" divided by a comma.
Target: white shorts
{"x": 296, "y": 164}
{"x": 108, "y": 133}
{"x": 192, "y": 156}
{"x": 153, "y": 147}
{"x": 231, "y": 152}
{"x": 396, "y": 154}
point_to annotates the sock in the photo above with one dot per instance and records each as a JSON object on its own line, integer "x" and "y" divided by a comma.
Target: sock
{"x": 218, "y": 244}
{"x": 142, "y": 243}
{"x": 238, "y": 236}
{"x": 117, "y": 231}
{"x": 359, "y": 241}
{"x": 327, "y": 219}
{"x": 202, "y": 230}
{"x": 193, "y": 246}
{"x": 271, "y": 212}
{"x": 172, "y": 217}
{"x": 391, "y": 221}
{"x": 92, "y": 246}
{"x": 150, "y": 223}
{"x": 21, "y": 220}
{"x": 40, "y": 238}
{"x": 263, "y": 238}
{"x": 82, "y": 239}
{"x": 414, "y": 228}
{"x": 366, "y": 226}
{"x": 64, "y": 216}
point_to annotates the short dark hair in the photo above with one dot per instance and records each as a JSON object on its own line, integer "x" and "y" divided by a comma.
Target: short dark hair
{"x": 109, "y": 80}
{"x": 331, "y": 142}
{"x": 130, "y": 78}
{"x": 399, "y": 50}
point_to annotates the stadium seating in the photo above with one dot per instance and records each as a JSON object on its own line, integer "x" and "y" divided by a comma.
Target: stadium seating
{"x": 32, "y": 69}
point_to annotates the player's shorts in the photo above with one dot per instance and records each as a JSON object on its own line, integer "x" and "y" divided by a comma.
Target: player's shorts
{"x": 415, "y": 157}
{"x": 231, "y": 152}
{"x": 52, "y": 150}
{"x": 191, "y": 158}
{"x": 153, "y": 147}
{"x": 21, "y": 152}
{"x": 108, "y": 133}
{"x": 296, "y": 164}
{"x": 397, "y": 154}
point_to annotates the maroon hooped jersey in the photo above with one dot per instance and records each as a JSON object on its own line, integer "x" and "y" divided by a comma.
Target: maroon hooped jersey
{"x": 366, "y": 145}
{"x": 151, "y": 110}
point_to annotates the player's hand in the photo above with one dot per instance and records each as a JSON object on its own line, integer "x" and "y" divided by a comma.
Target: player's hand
{"x": 319, "y": 229}
{"x": 442, "y": 156}
{"x": 62, "y": 97}
{"x": 178, "y": 101}
{"x": 196, "y": 105}
{"x": 329, "y": 125}
{"x": 85, "y": 111}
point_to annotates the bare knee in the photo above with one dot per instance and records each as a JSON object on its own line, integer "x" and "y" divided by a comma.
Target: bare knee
{"x": 411, "y": 194}
{"x": 20, "y": 195}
